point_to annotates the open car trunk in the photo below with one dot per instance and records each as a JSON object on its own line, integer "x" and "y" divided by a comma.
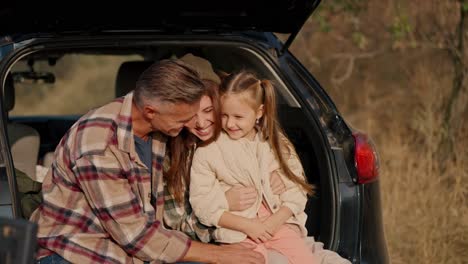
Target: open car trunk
{"x": 285, "y": 16}
{"x": 88, "y": 73}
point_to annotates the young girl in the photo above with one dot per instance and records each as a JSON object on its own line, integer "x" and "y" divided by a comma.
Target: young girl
{"x": 251, "y": 148}
{"x": 178, "y": 213}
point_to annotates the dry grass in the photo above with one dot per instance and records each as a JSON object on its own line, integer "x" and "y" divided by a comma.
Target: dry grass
{"x": 425, "y": 205}
{"x": 88, "y": 75}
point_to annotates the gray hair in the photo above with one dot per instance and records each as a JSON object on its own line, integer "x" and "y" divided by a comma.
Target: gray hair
{"x": 169, "y": 80}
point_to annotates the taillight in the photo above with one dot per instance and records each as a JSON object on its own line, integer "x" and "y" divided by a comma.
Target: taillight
{"x": 365, "y": 158}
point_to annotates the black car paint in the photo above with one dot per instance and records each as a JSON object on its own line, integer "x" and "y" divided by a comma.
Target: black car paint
{"x": 356, "y": 230}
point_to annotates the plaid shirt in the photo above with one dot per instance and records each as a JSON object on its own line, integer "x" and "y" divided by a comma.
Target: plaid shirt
{"x": 99, "y": 204}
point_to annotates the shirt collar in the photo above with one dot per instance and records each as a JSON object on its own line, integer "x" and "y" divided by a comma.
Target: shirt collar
{"x": 124, "y": 128}
{"x": 125, "y": 136}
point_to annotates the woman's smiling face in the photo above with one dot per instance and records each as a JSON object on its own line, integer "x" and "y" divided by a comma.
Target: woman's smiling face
{"x": 203, "y": 127}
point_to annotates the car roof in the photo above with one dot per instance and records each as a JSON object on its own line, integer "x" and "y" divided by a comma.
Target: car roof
{"x": 285, "y": 16}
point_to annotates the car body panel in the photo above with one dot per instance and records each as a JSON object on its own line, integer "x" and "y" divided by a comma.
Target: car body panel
{"x": 285, "y": 16}
{"x": 373, "y": 247}
{"x": 346, "y": 226}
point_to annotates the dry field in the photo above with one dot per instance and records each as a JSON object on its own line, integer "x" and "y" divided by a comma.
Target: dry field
{"x": 389, "y": 68}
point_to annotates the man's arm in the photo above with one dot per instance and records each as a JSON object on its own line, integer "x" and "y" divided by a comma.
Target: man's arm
{"x": 119, "y": 210}
{"x": 228, "y": 254}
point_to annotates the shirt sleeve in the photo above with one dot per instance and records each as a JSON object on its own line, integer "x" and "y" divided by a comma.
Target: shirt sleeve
{"x": 206, "y": 194}
{"x": 121, "y": 213}
{"x": 180, "y": 216}
{"x": 194, "y": 228}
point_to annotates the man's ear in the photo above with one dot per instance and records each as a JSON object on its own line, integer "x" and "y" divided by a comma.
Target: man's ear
{"x": 149, "y": 112}
{"x": 260, "y": 111}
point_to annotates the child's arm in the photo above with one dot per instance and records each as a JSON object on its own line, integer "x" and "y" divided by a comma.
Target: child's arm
{"x": 253, "y": 228}
{"x": 276, "y": 220}
{"x": 207, "y": 197}
{"x": 293, "y": 199}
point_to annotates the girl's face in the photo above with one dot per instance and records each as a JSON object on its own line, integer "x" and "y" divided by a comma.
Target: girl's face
{"x": 238, "y": 117}
{"x": 203, "y": 127}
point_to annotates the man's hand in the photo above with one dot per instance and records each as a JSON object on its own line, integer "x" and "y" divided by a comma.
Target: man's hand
{"x": 229, "y": 254}
{"x": 276, "y": 184}
{"x": 257, "y": 231}
{"x": 248, "y": 255}
{"x": 240, "y": 198}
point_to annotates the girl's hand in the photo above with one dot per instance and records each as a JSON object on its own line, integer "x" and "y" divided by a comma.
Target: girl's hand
{"x": 240, "y": 198}
{"x": 273, "y": 222}
{"x": 276, "y": 184}
{"x": 257, "y": 231}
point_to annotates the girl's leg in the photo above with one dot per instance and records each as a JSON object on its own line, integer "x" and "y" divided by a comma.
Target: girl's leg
{"x": 324, "y": 256}
{"x": 274, "y": 257}
{"x": 289, "y": 243}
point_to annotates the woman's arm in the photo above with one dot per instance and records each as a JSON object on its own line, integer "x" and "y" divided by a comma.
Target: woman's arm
{"x": 180, "y": 216}
{"x": 240, "y": 198}
{"x": 276, "y": 183}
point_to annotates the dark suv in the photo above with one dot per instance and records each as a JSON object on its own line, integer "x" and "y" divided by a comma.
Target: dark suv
{"x": 119, "y": 43}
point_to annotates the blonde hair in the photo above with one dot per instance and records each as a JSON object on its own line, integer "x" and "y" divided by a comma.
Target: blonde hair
{"x": 258, "y": 92}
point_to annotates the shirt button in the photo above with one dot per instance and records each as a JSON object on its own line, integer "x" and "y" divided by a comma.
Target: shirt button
{"x": 149, "y": 195}
{"x": 275, "y": 206}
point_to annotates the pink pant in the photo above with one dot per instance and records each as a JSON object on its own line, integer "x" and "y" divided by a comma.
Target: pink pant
{"x": 286, "y": 241}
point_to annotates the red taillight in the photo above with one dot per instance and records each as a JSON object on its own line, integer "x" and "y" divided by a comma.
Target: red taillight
{"x": 365, "y": 158}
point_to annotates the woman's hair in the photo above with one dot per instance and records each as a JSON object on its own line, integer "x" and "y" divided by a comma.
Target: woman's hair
{"x": 182, "y": 146}
{"x": 258, "y": 92}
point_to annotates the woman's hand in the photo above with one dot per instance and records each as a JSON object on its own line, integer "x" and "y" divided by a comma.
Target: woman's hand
{"x": 276, "y": 184}
{"x": 257, "y": 231}
{"x": 240, "y": 198}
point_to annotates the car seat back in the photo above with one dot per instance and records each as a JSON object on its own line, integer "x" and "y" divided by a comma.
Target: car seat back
{"x": 24, "y": 140}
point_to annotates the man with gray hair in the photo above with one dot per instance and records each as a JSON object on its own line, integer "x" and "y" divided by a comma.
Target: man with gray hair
{"x": 102, "y": 192}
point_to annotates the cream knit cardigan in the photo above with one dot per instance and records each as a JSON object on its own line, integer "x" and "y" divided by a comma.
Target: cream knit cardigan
{"x": 226, "y": 163}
